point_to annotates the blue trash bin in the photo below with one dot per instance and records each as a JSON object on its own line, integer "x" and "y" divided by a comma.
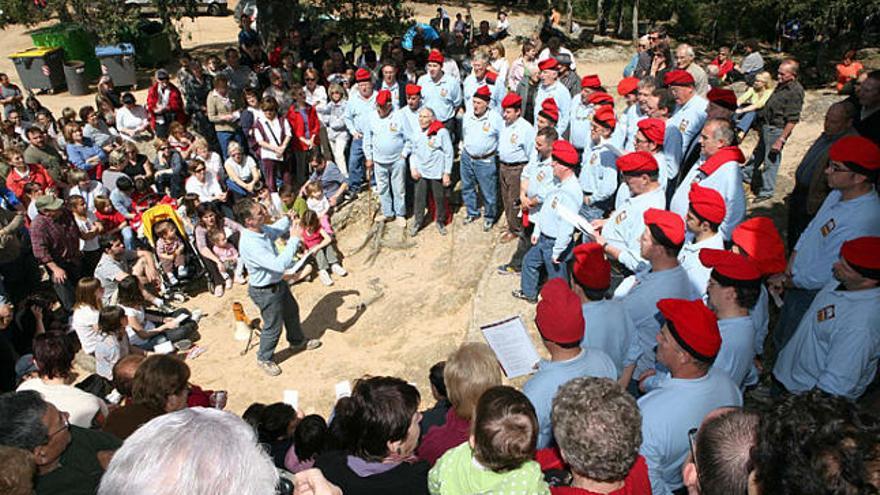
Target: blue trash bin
{"x": 117, "y": 61}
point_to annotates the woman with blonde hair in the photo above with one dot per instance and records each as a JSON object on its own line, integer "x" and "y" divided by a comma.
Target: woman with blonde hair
{"x": 751, "y": 102}
{"x": 524, "y": 66}
{"x": 242, "y": 171}
{"x": 332, "y": 116}
{"x": 498, "y": 60}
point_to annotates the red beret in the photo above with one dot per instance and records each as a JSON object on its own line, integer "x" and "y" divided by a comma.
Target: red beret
{"x": 861, "y": 255}
{"x": 600, "y": 98}
{"x": 362, "y": 75}
{"x": 694, "y": 327}
{"x": 413, "y": 89}
{"x": 653, "y": 129}
{"x": 669, "y": 223}
{"x": 637, "y": 162}
{"x": 856, "y": 150}
{"x": 383, "y": 97}
{"x": 483, "y": 93}
{"x": 707, "y": 203}
{"x": 591, "y": 81}
{"x": 722, "y": 97}
{"x": 591, "y": 268}
{"x": 678, "y": 78}
{"x": 564, "y": 153}
{"x": 760, "y": 240}
{"x": 627, "y": 85}
{"x": 549, "y": 110}
{"x": 730, "y": 268}
{"x": 549, "y": 64}
{"x": 512, "y": 100}
{"x": 435, "y": 56}
{"x": 604, "y": 116}
{"x": 559, "y": 316}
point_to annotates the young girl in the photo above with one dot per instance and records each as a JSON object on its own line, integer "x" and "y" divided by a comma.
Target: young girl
{"x": 113, "y": 343}
{"x": 113, "y": 221}
{"x": 89, "y": 230}
{"x": 170, "y": 250}
{"x": 319, "y": 243}
{"x": 86, "y": 308}
{"x": 141, "y": 328}
{"x": 228, "y": 256}
{"x": 187, "y": 213}
{"x": 318, "y": 203}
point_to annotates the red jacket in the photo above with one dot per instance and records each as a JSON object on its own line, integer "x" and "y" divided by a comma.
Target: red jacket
{"x": 298, "y": 127}
{"x": 175, "y": 104}
{"x": 36, "y": 173}
{"x": 723, "y": 67}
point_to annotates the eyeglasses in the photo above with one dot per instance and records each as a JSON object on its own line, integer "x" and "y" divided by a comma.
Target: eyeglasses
{"x": 198, "y": 170}
{"x": 64, "y": 426}
{"x": 310, "y": 79}
{"x": 835, "y": 167}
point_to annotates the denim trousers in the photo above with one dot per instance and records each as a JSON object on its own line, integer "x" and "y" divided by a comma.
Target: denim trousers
{"x": 277, "y": 307}
{"x": 482, "y": 174}
{"x": 745, "y": 120}
{"x": 226, "y": 137}
{"x": 390, "y": 185}
{"x": 764, "y": 184}
{"x": 356, "y": 167}
{"x": 538, "y": 258}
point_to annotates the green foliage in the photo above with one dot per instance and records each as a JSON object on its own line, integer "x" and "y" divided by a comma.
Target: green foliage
{"x": 362, "y": 21}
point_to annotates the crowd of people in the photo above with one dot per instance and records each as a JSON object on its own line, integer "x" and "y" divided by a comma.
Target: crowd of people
{"x": 653, "y": 283}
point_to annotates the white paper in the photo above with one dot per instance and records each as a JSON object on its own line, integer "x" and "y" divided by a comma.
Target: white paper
{"x": 511, "y": 344}
{"x": 299, "y": 264}
{"x": 573, "y": 218}
{"x": 164, "y": 348}
{"x": 181, "y": 318}
{"x": 343, "y": 389}
{"x": 291, "y": 397}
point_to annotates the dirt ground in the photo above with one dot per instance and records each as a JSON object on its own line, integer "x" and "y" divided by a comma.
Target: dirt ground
{"x": 422, "y": 300}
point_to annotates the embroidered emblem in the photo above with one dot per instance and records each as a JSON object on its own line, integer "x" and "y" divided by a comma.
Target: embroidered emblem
{"x": 554, "y": 202}
{"x": 513, "y": 137}
{"x": 828, "y": 227}
{"x": 431, "y": 143}
{"x": 621, "y": 217}
{"x": 825, "y": 313}
{"x": 541, "y": 176}
{"x": 683, "y": 126}
{"x": 594, "y": 158}
{"x": 443, "y": 92}
{"x": 486, "y": 126}
{"x": 392, "y": 127}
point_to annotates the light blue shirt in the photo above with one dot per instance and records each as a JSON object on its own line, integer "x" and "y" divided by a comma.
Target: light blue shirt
{"x": 539, "y": 173}
{"x": 624, "y": 136}
{"x": 673, "y": 146}
{"x": 394, "y": 89}
{"x": 516, "y": 142}
{"x": 432, "y": 155}
{"x": 122, "y": 203}
{"x": 598, "y": 177}
{"x": 689, "y": 259}
{"x": 385, "y": 140}
{"x": 689, "y": 119}
{"x": 668, "y": 413}
{"x": 561, "y": 95}
{"x": 727, "y": 180}
{"x": 627, "y": 224}
{"x": 737, "y": 354}
{"x": 549, "y": 223}
{"x": 542, "y": 386}
{"x": 480, "y": 134}
{"x": 77, "y": 154}
{"x": 836, "y": 347}
{"x": 836, "y": 222}
{"x": 265, "y": 265}
{"x": 443, "y": 96}
{"x": 608, "y": 327}
{"x": 358, "y": 112}
{"x": 411, "y": 121}
{"x": 760, "y": 315}
{"x": 470, "y": 87}
{"x": 580, "y": 124}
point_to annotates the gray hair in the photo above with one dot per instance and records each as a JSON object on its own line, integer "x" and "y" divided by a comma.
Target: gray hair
{"x": 22, "y": 424}
{"x": 427, "y": 110}
{"x": 480, "y": 55}
{"x": 197, "y": 451}
{"x": 687, "y": 49}
{"x": 723, "y": 130}
{"x": 723, "y": 447}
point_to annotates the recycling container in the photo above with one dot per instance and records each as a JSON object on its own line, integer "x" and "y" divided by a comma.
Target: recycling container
{"x": 117, "y": 61}
{"x": 76, "y": 42}
{"x": 40, "y": 68}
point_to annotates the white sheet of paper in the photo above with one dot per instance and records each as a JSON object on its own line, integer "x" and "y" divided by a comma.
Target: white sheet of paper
{"x": 573, "y": 218}
{"x": 511, "y": 344}
{"x": 164, "y": 348}
{"x": 299, "y": 264}
{"x": 181, "y": 318}
{"x": 343, "y": 389}
{"x": 291, "y": 397}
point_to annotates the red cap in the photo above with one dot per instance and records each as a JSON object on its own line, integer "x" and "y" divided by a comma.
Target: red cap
{"x": 564, "y": 153}
{"x": 549, "y": 64}
{"x": 435, "y": 56}
{"x": 653, "y": 129}
{"x": 694, "y": 327}
{"x": 669, "y": 223}
{"x": 678, "y": 78}
{"x": 707, "y": 203}
{"x": 413, "y": 89}
{"x": 483, "y": 93}
{"x": 604, "y": 116}
{"x": 722, "y": 97}
{"x": 591, "y": 81}
{"x": 512, "y": 100}
{"x": 591, "y": 268}
{"x": 730, "y": 268}
{"x": 600, "y": 98}
{"x": 861, "y": 255}
{"x": 637, "y": 162}
{"x": 362, "y": 75}
{"x": 857, "y": 150}
{"x": 627, "y": 85}
{"x": 383, "y": 97}
{"x": 549, "y": 110}
{"x": 559, "y": 316}
{"x": 760, "y": 240}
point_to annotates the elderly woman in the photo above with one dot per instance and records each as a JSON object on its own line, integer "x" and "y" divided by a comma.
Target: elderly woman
{"x": 82, "y": 152}
{"x": 210, "y": 219}
{"x": 469, "y": 371}
{"x": 332, "y": 115}
{"x": 381, "y": 424}
{"x": 53, "y": 357}
{"x": 242, "y": 172}
{"x": 160, "y": 386}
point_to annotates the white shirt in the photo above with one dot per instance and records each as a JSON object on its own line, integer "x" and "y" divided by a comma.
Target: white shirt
{"x": 86, "y": 224}
{"x": 95, "y": 188}
{"x": 131, "y": 119}
{"x": 82, "y": 406}
{"x": 689, "y": 259}
{"x": 207, "y": 190}
{"x": 85, "y": 323}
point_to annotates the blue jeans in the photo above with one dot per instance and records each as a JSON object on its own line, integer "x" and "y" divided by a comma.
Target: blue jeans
{"x": 541, "y": 256}
{"x": 356, "y": 169}
{"x": 390, "y": 184}
{"x": 764, "y": 184}
{"x": 744, "y": 121}
{"x": 277, "y": 307}
{"x": 482, "y": 173}
{"x": 226, "y": 137}
{"x": 128, "y": 238}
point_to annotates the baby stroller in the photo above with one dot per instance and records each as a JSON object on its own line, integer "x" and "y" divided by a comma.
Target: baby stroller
{"x": 195, "y": 267}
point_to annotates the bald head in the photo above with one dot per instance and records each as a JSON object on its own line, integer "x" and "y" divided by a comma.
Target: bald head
{"x": 788, "y": 71}
{"x": 839, "y": 118}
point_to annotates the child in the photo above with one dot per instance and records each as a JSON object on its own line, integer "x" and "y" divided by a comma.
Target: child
{"x": 319, "y": 243}
{"x": 113, "y": 221}
{"x": 290, "y": 200}
{"x": 89, "y": 230}
{"x": 270, "y": 200}
{"x": 187, "y": 213}
{"x": 170, "y": 250}
{"x": 309, "y": 440}
{"x": 498, "y": 456}
{"x": 228, "y": 255}
{"x": 318, "y": 203}
{"x": 113, "y": 342}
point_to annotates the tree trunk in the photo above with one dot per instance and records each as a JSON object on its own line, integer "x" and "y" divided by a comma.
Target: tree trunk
{"x": 635, "y": 24}
{"x": 568, "y": 16}
{"x": 601, "y": 21}
{"x": 618, "y": 26}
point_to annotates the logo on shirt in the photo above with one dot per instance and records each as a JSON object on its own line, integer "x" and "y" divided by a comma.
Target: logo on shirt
{"x": 392, "y": 127}
{"x": 431, "y": 143}
{"x": 594, "y": 159}
{"x": 825, "y": 313}
{"x": 443, "y": 92}
{"x": 683, "y": 126}
{"x": 541, "y": 176}
{"x": 554, "y": 202}
{"x": 621, "y": 217}
{"x": 513, "y": 138}
{"x": 828, "y": 227}
{"x": 486, "y": 126}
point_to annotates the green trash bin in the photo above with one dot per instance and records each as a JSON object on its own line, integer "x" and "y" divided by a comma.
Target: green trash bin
{"x": 40, "y": 68}
{"x": 152, "y": 45}
{"x": 76, "y": 42}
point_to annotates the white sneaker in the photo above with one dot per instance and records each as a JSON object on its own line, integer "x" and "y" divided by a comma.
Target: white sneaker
{"x": 325, "y": 278}
{"x": 338, "y": 270}
{"x": 401, "y": 221}
{"x": 172, "y": 280}
{"x": 182, "y": 272}
{"x": 228, "y": 283}
{"x": 218, "y": 291}
{"x": 196, "y": 315}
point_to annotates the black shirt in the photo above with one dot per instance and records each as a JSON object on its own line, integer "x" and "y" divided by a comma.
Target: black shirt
{"x": 405, "y": 479}
{"x": 784, "y": 105}
{"x": 80, "y": 472}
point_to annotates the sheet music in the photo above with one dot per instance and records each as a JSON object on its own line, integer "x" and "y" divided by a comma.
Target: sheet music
{"x": 573, "y": 218}
{"x": 511, "y": 344}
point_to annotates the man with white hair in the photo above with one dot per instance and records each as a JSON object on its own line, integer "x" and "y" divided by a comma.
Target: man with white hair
{"x": 684, "y": 60}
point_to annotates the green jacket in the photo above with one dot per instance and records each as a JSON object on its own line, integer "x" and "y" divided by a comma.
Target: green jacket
{"x": 458, "y": 473}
